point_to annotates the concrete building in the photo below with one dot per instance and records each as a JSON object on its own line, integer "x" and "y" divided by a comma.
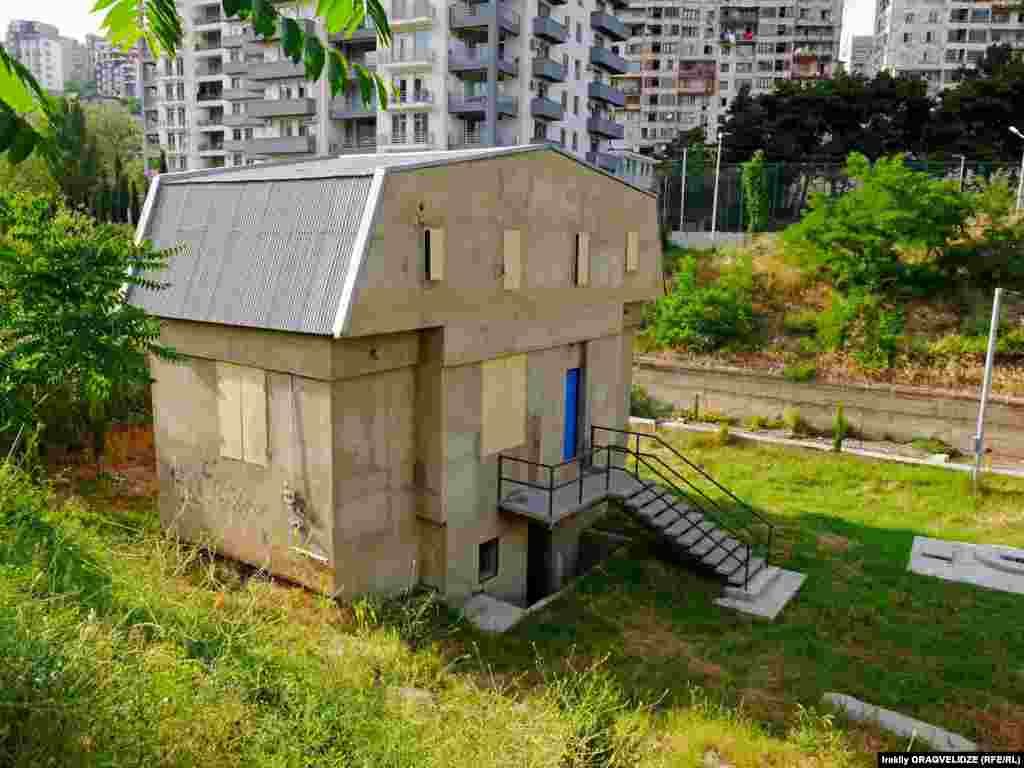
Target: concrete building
{"x": 861, "y": 47}
{"x": 76, "y": 60}
{"x": 688, "y": 59}
{"x": 490, "y": 73}
{"x": 41, "y": 49}
{"x": 935, "y": 40}
{"x": 368, "y": 340}
{"x": 115, "y": 72}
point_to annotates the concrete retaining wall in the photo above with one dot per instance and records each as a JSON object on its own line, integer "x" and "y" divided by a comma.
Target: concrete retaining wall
{"x": 902, "y": 413}
{"x": 704, "y": 239}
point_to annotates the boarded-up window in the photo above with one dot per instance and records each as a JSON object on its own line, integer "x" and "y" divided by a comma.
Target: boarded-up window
{"x": 632, "y": 251}
{"x": 581, "y": 261}
{"x": 503, "y": 403}
{"x": 434, "y": 253}
{"x": 513, "y": 259}
{"x": 242, "y": 413}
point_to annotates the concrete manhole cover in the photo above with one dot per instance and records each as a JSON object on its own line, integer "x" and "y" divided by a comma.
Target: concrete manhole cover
{"x": 984, "y": 565}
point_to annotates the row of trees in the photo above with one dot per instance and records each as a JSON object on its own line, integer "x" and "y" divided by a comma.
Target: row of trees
{"x": 826, "y": 120}
{"x": 96, "y": 162}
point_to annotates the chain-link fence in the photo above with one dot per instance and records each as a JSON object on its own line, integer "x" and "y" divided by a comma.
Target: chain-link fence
{"x": 788, "y": 187}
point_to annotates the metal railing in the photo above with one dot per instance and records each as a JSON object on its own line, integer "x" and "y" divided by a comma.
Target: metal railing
{"x": 677, "y": 484}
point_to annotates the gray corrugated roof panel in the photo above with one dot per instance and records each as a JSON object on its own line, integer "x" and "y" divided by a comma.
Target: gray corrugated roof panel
{"x": 342, "y": 165}
{"x": 259, "y": 253}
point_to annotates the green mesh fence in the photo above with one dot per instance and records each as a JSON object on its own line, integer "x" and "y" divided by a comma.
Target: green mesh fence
{"x": 788, "y": 187}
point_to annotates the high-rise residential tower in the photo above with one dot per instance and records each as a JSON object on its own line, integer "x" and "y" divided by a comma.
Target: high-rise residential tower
{"x": 861, "y": 47}
{"x": 936, "y": 40}
{"x": 688, "y": 59}
{"x": 464, "y": 74}
{"x": 40, "y": 48}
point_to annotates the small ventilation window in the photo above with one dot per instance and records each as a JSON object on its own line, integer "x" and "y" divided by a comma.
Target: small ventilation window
{"x": 488, "y": 560}
{"x": 433, "y": 254}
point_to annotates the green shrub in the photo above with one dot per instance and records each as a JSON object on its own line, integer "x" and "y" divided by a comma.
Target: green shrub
{"x": 793, "y": 421}
{"x": 839, "y": 428}
{"x": 800, "y": 322}
{"x": 800, "y": 371}
{"x": 834, "y": 323}
{"x": 1009, "y": 342}
{"x": 862, "y": 324}
{"x": 705, "y": 317}
{"x": 643, "y": 406}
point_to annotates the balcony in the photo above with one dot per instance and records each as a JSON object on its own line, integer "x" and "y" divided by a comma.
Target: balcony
{"x": 355, "y": 146}
{"x": 282, "y": 107}
{"x": 608, "y": 25}
{"x": 240, "y": 94}
{"x": 548, "y": 29}
{"x": 281, "y": 145}
{"x": 240, "y": 120}
{"x": 477, "y": 60}
{"x": 207, "y": 123}
{"x": 236, "y": 145}
{"x": 604, "y": 161}
{"x": 352, "y": 108}
{"x": 416, "y": 99}
{"x": 233, "y": 41}
{"x": 209, "y": 148}
{"x": 697, "y": 87}
{"x": 397, "y": 58}
{"x": 411, "y": 13}
{"x": 478, "y": 16}
{"x": 604, "y": 127}
{"x": 236, "y": 67}
{"x": 476, "y": 106}
{"x": 605, "y": 93}
{"x": 307, "y": 26}
{"x": 603, "y": 58}
{"x": 412, "y": 140}
{"x": 206, "y": 47}
{"x": 547, "y": 69}
{"x": 544, "y": 108}
{"x": 206, "y": 19}
{"x": 269, "y": 70}
{"x": 364, "y": 33}
{"x": 211, "y": 68}
{"x": 210, "y": 96}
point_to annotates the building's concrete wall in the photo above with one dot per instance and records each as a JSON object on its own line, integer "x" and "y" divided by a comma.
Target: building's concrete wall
{"x": 549, "y": 198}
{"x": 902, "y": 413}
{"x": 236, "y": 506}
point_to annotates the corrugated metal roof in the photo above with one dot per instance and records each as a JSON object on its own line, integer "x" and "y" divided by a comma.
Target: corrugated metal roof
{"x": 260, "y": 253}
{"x": 343, "y": 165}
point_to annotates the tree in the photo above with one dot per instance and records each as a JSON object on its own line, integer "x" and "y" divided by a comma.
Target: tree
{"x": 74, "y": 163}
{"x": 84, "y": 89}
{"x": 755, "y": 196}
{"x": 69, "y": 335}
{"x": 135, "y": 207}
{"x": 163, "y": 161}
{"x": 858, "y": 238}
{"x": 157, "y": 23}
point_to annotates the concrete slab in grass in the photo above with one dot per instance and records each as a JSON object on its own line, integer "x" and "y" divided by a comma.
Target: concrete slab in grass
{"x": 983, "y": 565}
{"x": 492, "y": 615}
{"x": 899, "y": 724}
{"x": 769, "y": 593}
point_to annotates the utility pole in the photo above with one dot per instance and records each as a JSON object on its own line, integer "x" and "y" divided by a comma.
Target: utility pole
{"x": 986, "y": 386}
{"x": 963, "y": 170}
{"x": 714, "y": 204}
{"x": 682, "y": 189}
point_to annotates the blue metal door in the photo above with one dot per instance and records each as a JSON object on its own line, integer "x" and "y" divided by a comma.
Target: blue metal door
{"x": 572, "y": 395}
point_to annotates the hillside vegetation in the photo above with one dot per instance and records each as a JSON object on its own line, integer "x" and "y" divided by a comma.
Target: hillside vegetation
{"x": 891, "y": 281}
{"x": 122, "y": 646}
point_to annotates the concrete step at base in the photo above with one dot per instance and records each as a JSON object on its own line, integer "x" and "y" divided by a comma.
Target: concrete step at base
{"x": 761, "y": 581}
{"x": 772, "y": 598}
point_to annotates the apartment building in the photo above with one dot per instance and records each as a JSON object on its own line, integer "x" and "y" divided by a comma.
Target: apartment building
{"x": 115, "y": 72}
{"x": 75, "y": 60}
{"x": 491, "y": 73}
{"x": 41, "y": 49}
{"x": 688, "y": 60}
{"x": 861, "y": 47}
{"x": 935, "y": 40}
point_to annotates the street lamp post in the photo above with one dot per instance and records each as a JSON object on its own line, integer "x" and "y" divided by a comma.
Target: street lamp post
{"x": 682, "y": 189}
{"x": 718, "y": 173}
{"x": 963, "y": 170}
{"x": 1020, "y": 180}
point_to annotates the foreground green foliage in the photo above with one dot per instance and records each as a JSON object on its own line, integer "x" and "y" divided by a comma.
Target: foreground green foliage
{"x": 122, "y": 647}
{"x": 67, "y": 336}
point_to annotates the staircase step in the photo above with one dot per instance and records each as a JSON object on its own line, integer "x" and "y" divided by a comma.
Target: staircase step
{"x": 732, "y": 563}
{"x": 720, "y": 553}
{"x": 651, "y": 511}
{"x": 757, "y": 564}
{"x": 777, "y": 590}
{"x": 681, "y": 525}
{"x": 666, "y": 517}
{"x": 642, "y": 497}
{"x": 764, "y": 578}
{"x": 703, "y": 547}
{"x": 695, "y": 534}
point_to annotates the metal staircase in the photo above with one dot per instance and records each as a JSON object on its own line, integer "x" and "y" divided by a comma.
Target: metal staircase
{"x": 703, "y": 522}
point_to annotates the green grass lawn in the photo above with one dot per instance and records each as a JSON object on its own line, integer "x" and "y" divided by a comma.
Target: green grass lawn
{"x": 946, "y": 653}
{"x": 122, "y": 646}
